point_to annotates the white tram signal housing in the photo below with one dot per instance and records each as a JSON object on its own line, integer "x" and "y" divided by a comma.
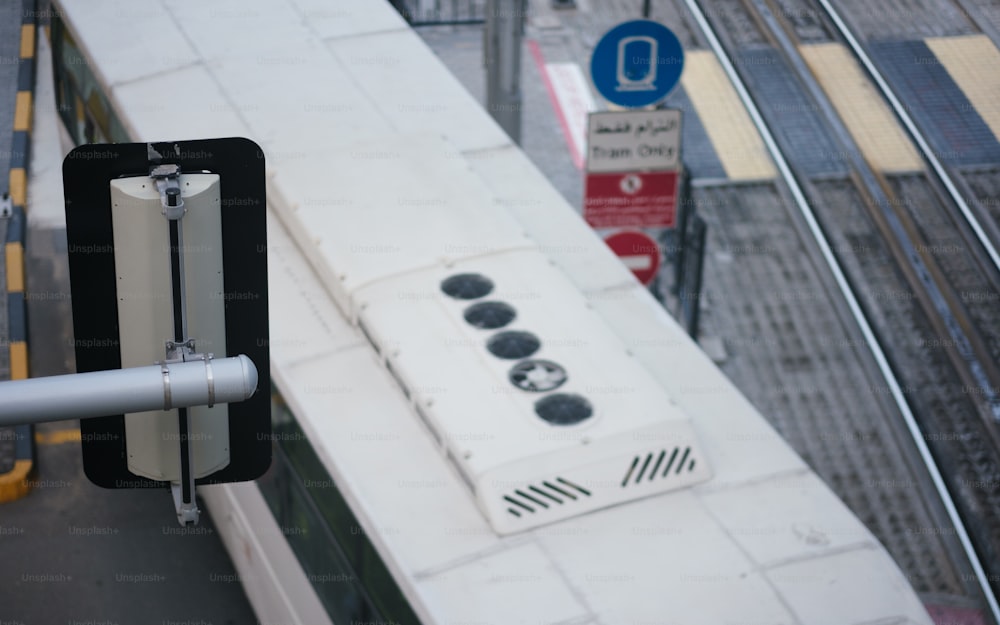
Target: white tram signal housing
{"x": 599, "y": 431}
{"x": 142, "y": 264}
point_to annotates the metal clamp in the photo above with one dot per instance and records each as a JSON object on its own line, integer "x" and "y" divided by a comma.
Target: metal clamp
{"x": 167, "y": 399}
{"x": 6, "y": 206}
{"x": 185, "y": 353}
{"x": 211, "y": 380}
{"x": 181, "y": 351}
{"x": 168, "y": 183}
{"x": 187, "y": 511}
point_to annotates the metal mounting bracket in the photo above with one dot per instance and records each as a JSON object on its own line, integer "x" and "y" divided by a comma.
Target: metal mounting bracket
{"x": 167, "y": 178}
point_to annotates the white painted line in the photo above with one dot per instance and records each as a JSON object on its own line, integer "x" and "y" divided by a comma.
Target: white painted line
{"x": 637, "y": 263}
{"x": 575, "y": 101}
{"x": 571, "y": 98}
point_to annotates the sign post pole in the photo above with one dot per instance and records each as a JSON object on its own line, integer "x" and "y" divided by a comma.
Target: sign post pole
{"x": 134, "y": 389}
{"x": 502, "y": 50}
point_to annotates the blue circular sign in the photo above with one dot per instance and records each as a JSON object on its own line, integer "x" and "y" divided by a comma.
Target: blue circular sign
{"x": 637, "y": 63}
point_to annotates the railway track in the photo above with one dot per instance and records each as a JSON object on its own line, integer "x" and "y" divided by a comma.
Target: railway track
{"x": 905, "y": 263}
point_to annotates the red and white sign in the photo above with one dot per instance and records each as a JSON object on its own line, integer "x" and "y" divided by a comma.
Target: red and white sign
{"x": 631, "y": 199}
{"x": 639, "y": 252}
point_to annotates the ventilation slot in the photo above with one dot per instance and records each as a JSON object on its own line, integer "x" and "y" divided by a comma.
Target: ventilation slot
{"x": 678, "y": 461}
{"x": 546, "y": 495}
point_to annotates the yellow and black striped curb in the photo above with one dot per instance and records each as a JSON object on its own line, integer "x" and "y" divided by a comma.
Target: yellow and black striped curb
{"x": 15, "y": 483}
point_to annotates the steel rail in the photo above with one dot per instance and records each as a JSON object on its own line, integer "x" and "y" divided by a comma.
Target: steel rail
{"x": 915, "y": 133}
{"x": 852, "y": 302}
{"x": 924, "y": 273}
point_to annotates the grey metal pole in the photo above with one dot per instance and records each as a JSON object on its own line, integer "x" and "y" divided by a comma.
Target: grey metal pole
{"x": 119, "y": 391}
{"x": 502, "y": 56}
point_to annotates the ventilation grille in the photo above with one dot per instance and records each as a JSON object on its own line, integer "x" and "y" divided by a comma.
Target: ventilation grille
{"x": 513, "y": 344}
{"x": 537, "y": 375}
{"x": 563, "y": 409}
{"x": 467, "y": 286}
{"x": 533, "y": 498}
{"x": 489, "y": 315}
{"x": 657, "y": 466}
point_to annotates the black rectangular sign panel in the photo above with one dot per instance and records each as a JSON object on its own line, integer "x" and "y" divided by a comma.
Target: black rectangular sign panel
{"x": 87, "y": 172}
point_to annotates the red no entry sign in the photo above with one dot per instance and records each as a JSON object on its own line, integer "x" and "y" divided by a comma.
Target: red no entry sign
{"x": 639, "y": 252}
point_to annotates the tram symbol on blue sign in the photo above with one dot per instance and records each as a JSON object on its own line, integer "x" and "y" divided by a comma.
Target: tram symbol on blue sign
{"x": 637, "y": 63}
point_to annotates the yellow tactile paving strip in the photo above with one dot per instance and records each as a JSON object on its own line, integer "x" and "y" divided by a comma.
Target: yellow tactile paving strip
{"x": 14, "y": 483}
{"x": 27, "y": 41}
{"x": 877, "y": 132}
{"x": 14, "y": 258}
{"x": 58, "y": 437}
{"x": 737, "y": 142}
{"x": 974, "y": 64}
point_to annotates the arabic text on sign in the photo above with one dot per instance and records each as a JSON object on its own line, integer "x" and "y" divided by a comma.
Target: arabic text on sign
{"x": 648, "y": 127}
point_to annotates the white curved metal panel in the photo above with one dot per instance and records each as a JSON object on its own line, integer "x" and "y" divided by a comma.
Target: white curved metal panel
{"x": 385, "y": 65}
{"x": 269, "y": 30}
{"x": 859, "y": 586}
{"x": 153, "y": 114}
{"x": 346, "y": 18}
{"x": 776, "y": 522}
{"x": 378, "y": 209}
{"x": 154, "y": 43}
{"x": 304, "y": 322}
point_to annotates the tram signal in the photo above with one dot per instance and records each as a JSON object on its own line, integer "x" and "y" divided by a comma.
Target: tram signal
{"x": 168, "y": 265}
